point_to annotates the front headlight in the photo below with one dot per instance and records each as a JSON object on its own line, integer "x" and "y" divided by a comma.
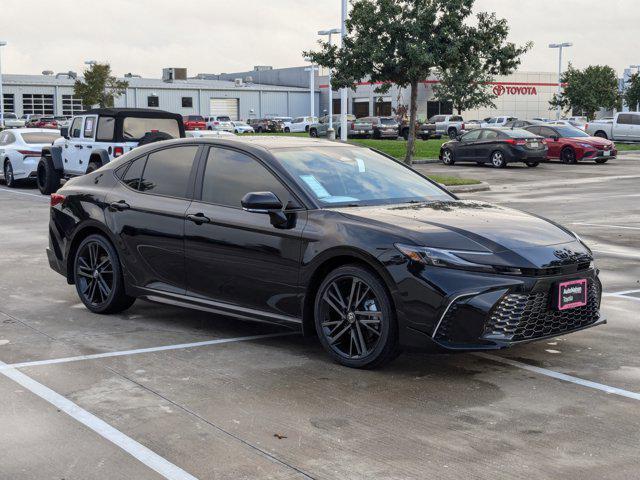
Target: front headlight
{"x": 437, "y": 257}
{"x": 585, "y": 145}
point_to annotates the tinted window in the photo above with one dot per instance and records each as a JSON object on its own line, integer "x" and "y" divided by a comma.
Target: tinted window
{"x": 490, "y": 134}
{"x": 106, "y": 129}
{"x": 37, "y": 137}
{"x": 224, "y": 118}
{"x": 89, "y": 125}
{"x": 134, "y": 128}
{"x": 76, "y": 127}
{"x": 133, "y": 174}
{"x": 230, "y": 175}
{"x": 547, "y": 132}
{"x": 471, "y": 136}
{"x": 455, "y": 119}
{"x": 636, "y": 119}
{"x": 167, "y": 171}
{"x": 535, "y": 130}
{"x": 625, "y": 119}
{"x": 570, "y": 132}
{"x": 195, "y": 118}
{"x": 519, "y": 133}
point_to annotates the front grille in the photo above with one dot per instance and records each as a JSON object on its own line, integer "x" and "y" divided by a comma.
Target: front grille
{"x": 527, "y": 316}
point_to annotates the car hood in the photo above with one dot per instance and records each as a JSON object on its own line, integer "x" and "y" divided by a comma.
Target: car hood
{"x": 513, "y": 237}
{"x": 594, "y": 141}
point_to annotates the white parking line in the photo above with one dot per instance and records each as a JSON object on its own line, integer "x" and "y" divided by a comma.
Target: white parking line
{"x": 136, "y": 450}
{"x": 603, "y": 225}
{"x": 19, "y": 192}
{"x": 616, "y": 254}
{"x": 623, "y": 294}
{"x": 560, "y": 376}
{"x": 4, "y": 366}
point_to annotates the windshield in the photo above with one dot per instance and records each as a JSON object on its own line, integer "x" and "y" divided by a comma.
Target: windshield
{"x": 224, "y": 119}
{"x": 134, "y": 128}
{"x": 37, "y": 137}
{"x": 388, "y": 121}
{"x": 570, "y": 132}
{"x": 195, "y": 118}
{"x": 340, "y": 176}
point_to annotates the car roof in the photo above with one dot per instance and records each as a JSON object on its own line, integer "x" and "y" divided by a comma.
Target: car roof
{"x": 33, "y": 130}
{"x": 131, "y": 112}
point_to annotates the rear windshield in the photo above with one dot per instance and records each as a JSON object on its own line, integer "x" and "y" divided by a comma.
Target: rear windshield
{"x": 519, "y": 133}
{"x": 224, "y": 119}
{"x": 194, "y": 118}
{"x": 37, "y": 137}
{"x": 387, "y": 121}
{"x": 134, "y": 128}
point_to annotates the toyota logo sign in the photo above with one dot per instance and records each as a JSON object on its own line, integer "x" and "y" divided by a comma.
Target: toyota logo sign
{"x": 499, "y": 90}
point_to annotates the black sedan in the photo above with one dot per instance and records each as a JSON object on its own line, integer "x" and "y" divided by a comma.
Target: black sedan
{"x": 497, "y": 146}
{"x": 335, "y": 239}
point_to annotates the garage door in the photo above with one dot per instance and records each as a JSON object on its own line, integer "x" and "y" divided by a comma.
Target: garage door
{"x": 225, "y": 106}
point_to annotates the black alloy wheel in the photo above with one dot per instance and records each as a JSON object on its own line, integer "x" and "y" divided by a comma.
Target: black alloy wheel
{"x": 602, "y": 160}
{"x": 8, "y": 175}
{"x": 532, "y": 164}
{"x": 354, "y": 318}
{"x": 568, "y": 155}
{"x": 98, "y": 277}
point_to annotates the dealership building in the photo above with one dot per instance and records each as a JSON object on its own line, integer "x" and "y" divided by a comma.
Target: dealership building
{"x": 266, "y": 91}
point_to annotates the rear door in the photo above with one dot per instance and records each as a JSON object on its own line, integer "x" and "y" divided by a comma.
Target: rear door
{"x": 147, "y": 213}
{"x": 486, "y": 144}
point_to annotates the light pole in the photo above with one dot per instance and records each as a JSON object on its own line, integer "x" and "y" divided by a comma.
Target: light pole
{"x": 343, "y": 91}
{"x": 90, "y": 62}
{"x": 2, "y": 44}
{"x": 560, "y": 46}
{"x": 312, "y": 70}
{"x": 330, "y": 132}
{"x": 637, "y": 67}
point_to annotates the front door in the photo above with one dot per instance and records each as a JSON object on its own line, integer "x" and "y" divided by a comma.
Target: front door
{"x": 147, "y": 213}
{"x": 72, "y": 147}
{"x": 467, "y": 146}
{"x": 238, "y": 257}
{"x": 552, "y": 140}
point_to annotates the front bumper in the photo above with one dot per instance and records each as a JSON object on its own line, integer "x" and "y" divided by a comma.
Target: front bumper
{"x": 599, "y": 154}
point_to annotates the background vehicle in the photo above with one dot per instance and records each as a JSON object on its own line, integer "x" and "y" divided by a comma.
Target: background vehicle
{"x": 241, "y": 127}
{"x": 425, "y": 131}
{"x": 11, "y": 120}
{"x": 208, "y": 134}
{"x": 31, "y": 120}
{"x": 20, "y": 151}
{"x": 497, "y": 122}
{"x": 450, "y": 125}
{"x": 44, "y": 122}
{"x": 378, "y": 252}
{"x": 496, "y": 146}
{"x": 568, "y": 123}
{"x": 219, "y": 122}
{"x": 63, "y": 121}
{"x": 194, "y": 122}
{"x": 261, "y": 125}
{"x": 382, "y": 127}
{"x": 98, "y": 136}
{"x": 625, "y": 127}
{"x": 320, "y": 129}
{"x": 286, "y": 122}
{"x": 302, "y": 124}
{"x": 521, "y": 123}
{"x": 570, "y": 144}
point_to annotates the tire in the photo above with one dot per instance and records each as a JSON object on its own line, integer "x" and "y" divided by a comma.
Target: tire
{"x": 367, "y": 339}
{"x": 568, "y": 156}
{"x": 236, "y": 131}
{"x": 313, "y": 133}
{"x": 600, "y": 134}
{"x": 259, "y": 130}
{"x": 448, "y": 157}
{"x": 532, "y": 164}
{"x": 287, "y": 130}
{"x": 47, "y": 177}
{"x": 153, "y": 137}
{"x": 209, "y": 128}
{"x": 93, "y": 166}
{"x": 598, "y": 160}
{"x": 497, "y": 159}
{"x": 376, "y": 134}
{"x": 99, "y": 290}
{"x": 453, "y": 133}
{"x": 9, "y": 180}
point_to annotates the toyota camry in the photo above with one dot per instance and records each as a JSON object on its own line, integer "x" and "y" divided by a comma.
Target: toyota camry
{"x": 337, "y": 240}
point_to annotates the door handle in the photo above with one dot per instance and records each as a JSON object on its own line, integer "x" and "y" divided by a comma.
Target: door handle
{"x": 78, "y": 146}
{"x": 198, "y": 218}
{"x": 119, "y": 206}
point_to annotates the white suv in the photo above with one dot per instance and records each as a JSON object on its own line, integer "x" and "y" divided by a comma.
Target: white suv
{"x": 219, "y": 122}
{"x": 100, "y": 135}
{"x": 302, "y": 124}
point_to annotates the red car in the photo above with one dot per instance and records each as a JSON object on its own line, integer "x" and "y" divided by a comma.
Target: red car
{"x": 194, "y": 122}
{"x": 45, "y": 122}
{"x": 569, "y": 144}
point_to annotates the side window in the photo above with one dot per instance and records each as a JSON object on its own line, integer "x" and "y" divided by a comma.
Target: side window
{"x": 625, "y": 119}
{"x": 167, "y": 171}
{"x": 76, "y": 127}
{"x": 472, "y": 135}
{"x": 547, "y": 132}
{"x": 106, "y": 129}
{"x": 133, "y": 174}
{"x": 11, "y": 138}
{"x": 89, "y": 126}
{"x": 534, "y": 130}
{"x": 636, "y": 119}
{"x": 230, "y": 175}
{"x": 489, "y": 135}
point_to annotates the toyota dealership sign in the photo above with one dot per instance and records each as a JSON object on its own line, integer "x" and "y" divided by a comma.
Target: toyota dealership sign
{"x": 500, "y": 89}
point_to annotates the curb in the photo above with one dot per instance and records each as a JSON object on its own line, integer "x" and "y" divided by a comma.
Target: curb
{"x": 476, "y": 187}
{"x": 422, "y": 161}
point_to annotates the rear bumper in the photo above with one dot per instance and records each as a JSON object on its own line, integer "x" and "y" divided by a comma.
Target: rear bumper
{"x": 521, "y": 154}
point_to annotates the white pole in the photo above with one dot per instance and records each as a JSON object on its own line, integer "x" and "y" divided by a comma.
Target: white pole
{"x": 2, "y": 44}
{"x": 559, "y": 80}
{"x": 343, "y": 92}
{"x": 312, "y": 89}
{"x": 330, "y": 95}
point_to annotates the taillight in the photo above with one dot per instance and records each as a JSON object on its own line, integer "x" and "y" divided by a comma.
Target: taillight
{"x": 118, "y": 151}
{"x": 29, "y": 153}
{"x": 56, "y": 199}
{"x": 512, "y": 141}
{"x": 216, "y": 123}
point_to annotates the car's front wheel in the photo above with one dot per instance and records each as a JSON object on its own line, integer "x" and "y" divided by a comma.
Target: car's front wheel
{"x": 355, "y": 319}
{"x": 8, "y": 175}
{"x": 313, "y": 133}
{"x": 98, "y": 276}
{"x": 598, "y": 160}
{"x": 47, "y": 177}
{"x": 447, "y": 157}
{"x": 532, "y": 164}
{"x": 568, "y": 155}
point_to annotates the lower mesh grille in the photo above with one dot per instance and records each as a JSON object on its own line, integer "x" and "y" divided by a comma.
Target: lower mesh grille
{"x": 527, "y": 316}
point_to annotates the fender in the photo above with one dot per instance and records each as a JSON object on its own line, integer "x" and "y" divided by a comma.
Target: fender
{"x": 56, "y": 156}
{"x": 102, "y": 155}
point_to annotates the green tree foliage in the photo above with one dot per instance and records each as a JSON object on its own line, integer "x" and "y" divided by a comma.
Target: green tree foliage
{"x": 632, "y": 93}
{"x": 99, "y": 87}
{"x": 402, "y": 41}
{"x": 586, "y": 91}
{"x": 482, "y": 53}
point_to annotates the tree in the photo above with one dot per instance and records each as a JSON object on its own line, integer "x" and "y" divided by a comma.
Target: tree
{"x": 482, "y": 53}
{"x": 401, "y": 41}
{"x": 632, "y": 93}
{"x": 586, "y": 91}
{"x": 99, "y": 86}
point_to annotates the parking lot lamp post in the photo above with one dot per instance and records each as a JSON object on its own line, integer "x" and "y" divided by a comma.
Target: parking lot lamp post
{"x": 329, "y": 33}
{"x": 312, "y": 69}
{"x": 560, "y": 46}
{"x": 637, "y": 67}
{"x": 343, "y": 91}
{"x": 2, "y": 44}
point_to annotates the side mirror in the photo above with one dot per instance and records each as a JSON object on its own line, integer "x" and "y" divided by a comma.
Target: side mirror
{"x": 64, "y": 132}
{"x": 268, "y": 203}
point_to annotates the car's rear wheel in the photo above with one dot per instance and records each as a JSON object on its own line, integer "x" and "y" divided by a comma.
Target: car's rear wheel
{"x": 98, "y": 276}
{"x": 568, "y": 155}
{"x": 497, "y": 159}
{"x": 447, "y": 157}
{"x": 93, "y": 166}
{"x": 452, "y": 133}
{"x": 600, "y": 134}
{"x": 532, "y": 164}
{"x": 354, "y": 318}
{"x": 9, "y": 179}
{"x": 287, "y": 130}
{"x": 47, "y": 177}
{"x": 313, "y": 133}
{"x": 598, "y": 160}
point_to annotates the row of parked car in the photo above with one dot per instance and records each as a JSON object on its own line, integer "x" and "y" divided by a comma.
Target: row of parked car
{"x": 11, "y": 120}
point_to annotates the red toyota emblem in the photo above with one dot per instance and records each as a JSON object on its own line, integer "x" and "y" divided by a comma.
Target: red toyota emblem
{"x": 498, "y": 90}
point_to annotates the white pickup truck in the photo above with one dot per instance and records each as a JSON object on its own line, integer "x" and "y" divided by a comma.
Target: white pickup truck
{"x": 625, "y": 127}
{"x": 450, "y": 125}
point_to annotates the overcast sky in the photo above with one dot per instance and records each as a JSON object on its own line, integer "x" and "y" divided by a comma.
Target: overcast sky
{"x": 213, "y": 36}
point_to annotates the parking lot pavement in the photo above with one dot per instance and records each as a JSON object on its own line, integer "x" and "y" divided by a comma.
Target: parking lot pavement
{"x": 160, "y": 392}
